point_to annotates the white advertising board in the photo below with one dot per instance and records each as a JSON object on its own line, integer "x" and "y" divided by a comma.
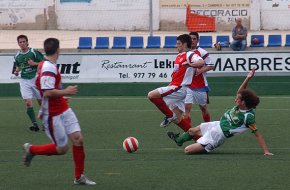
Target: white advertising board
{"x": 94, "y": 68}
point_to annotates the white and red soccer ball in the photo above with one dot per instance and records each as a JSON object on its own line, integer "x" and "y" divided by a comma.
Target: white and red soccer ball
{"x": 130, "y": 144}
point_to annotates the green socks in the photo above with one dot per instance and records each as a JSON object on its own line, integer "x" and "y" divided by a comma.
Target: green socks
{"x": 31, "y": 114}
{"x": 183, "y": 138}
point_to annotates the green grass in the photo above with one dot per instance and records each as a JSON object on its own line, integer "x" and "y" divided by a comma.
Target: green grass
{"x": 158, "y": 164}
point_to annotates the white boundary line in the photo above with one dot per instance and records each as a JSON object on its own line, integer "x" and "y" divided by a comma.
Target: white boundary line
{"x": 151, "y": 110}
{"x": 153, "y": 149}
{"x": 141, "y": 98}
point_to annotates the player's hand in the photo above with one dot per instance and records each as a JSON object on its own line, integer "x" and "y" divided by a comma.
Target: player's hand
{"x": 251, "y": 73}
{"x": 39, "y": 115}
{"x": 67, "y": 98}
{"x": 32, "y": 63}
{"x": 186, "y": 64}
{"x": 16, "y": 73}
{"x": 268, "y": 154}
{"x": 198, "y": 72}
{"x": 71, "y": 90}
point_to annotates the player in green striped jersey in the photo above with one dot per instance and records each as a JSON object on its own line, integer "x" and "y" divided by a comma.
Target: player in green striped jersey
{"x": 26, "y": 61}
{"x": 240, "y": 118}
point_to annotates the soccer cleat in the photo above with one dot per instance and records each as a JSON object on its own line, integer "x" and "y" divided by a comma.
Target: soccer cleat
{"x": 34, "y": 128}
{"x": 27, "y": 155}
{"x": 167, "y": 121}
{"x": 84, "y": 181}
{"x": 174, "y": 136}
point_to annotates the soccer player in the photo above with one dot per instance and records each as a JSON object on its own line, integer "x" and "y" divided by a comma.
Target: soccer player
{"x": 26, "y": 61}
{"x": 197, "y": 93}
{"x": 170, "y": 99}
{"x": 234, "y": 121}
{"x": 58, "y": 119}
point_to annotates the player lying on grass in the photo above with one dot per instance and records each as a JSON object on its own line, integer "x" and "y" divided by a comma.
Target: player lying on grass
{"x": 241, "y": 117}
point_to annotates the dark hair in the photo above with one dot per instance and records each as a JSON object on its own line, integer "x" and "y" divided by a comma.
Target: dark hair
{"x": 22, "y": 36}
{"x": 185, "y": 38}
{"x": 194, "y": 34}
{"x": 50, "y": 46}
{"x": 250, "y": 98}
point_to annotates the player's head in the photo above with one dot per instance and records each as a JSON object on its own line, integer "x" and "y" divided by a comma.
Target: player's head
{"x": 22, "y": 42}
{"x": 247, "y": 98}
{"x": 51, "y": 46}
{"x": 183, "y": 42}
{"x": 194, "y": 39}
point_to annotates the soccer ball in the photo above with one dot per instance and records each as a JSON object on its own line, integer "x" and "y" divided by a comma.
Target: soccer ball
{"x": 130, "y": 144}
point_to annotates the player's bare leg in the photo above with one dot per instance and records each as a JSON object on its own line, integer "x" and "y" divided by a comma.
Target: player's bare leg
{"x": 205, "y": 113}
{"x": 194, "y": 149}
{"x": 187, "y": 114}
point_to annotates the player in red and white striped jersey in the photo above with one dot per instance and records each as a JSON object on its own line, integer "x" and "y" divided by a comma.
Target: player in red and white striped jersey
{"x": 170, "y": 99}
{"x": 59, "y": 121}
{"x": 197, "y": 93}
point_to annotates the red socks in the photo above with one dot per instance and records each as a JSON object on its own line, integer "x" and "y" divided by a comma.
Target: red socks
{"x": 184, "y": 125}
{"x": 188, "y": 119}
{"x": 46, "y": 149}
{"x": 50, "y": 149}
{"x": 79, "y": 160}
{"x": 205, "y": 117}
{"x": 161, "y": 105}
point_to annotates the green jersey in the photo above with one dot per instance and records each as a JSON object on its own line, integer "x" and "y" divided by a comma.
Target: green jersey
{"x": 236, "y": 121}
{"x": 21, "y": 60}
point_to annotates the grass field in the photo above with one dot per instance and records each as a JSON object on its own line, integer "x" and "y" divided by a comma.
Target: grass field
{"x": 159, "y": 164}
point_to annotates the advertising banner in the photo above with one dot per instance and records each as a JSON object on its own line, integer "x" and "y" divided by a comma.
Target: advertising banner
{"x": 225, "y": 11}
{"x": 138, "y": 67}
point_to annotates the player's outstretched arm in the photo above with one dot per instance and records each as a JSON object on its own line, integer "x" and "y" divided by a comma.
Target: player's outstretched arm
{"x": 247, "y": 79}
{"x": 262, "y": 143}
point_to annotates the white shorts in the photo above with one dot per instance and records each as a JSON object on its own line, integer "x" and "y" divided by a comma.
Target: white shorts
{"x": 57, "y": 128}
{"x": 212, "y": 135}
{"x": 196, "y": 97}
{"x": 173, "y": 96}
{"x": 28, "y": 89}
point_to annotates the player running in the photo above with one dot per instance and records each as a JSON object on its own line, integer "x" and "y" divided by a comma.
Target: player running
{"x": 26, "y": 61}
{"x": 58, "y": 119}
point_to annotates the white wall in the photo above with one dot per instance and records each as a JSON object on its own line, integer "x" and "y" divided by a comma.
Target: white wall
{"x": 255, "y": 15}
{"x": 275, "y": 15}
{"x": 134, "y": 14}
{"x": 107, "y": 15}
{"x": 24, "y": 14}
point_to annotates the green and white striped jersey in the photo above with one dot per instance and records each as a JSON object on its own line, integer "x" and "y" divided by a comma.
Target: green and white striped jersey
{"x": 21, "y": 59}
{"x": 235, "y": 121}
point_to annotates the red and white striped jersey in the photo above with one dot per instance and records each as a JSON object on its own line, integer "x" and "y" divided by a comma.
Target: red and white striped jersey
{"x": 48, "y": 78}
{"x": 183, "y": 75}
{"x": 200, "y": 81}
